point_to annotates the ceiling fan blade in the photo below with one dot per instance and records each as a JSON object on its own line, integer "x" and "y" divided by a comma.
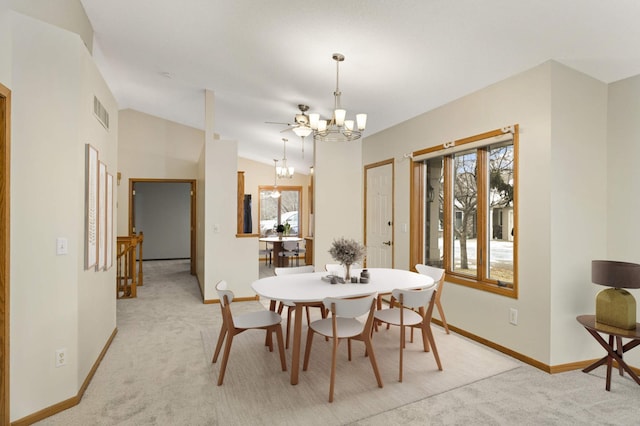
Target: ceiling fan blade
{"x": 287, "y": 129}
{"x": 277, "y": 122}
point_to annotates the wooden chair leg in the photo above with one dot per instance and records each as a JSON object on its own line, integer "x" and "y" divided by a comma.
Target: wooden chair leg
{"x": 225, "y": 358}
{"x": 283, "y": 361}
{"x": 223, "y": 333}
{"x": 427, "y": 329}
{"x": 442, "y": 317}
{"x": 334, "y": 356}
{"x": 288, "y": 325}
{"x": 307, "y": 349}
{"x": 402, "y": 339}
{"x": 372, "y": 358}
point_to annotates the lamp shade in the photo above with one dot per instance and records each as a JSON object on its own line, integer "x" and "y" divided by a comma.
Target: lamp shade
{"x": 615, "y": 274}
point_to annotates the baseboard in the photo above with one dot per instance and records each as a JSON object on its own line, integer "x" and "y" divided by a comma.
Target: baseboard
{"x": 551, "y": 369}
{"x": 235, "y": 299}
{"x": 71, "y": 402}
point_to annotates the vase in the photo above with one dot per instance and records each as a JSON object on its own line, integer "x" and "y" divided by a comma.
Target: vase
{"x": 347, "y": 276}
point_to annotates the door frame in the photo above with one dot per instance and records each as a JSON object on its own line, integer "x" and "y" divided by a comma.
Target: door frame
{"x": 5, "y": 252}
{"x": 368, "y": 167}
{"x": 133, "y": 181}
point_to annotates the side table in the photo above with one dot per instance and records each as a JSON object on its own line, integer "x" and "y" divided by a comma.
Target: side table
{"x": 613, "y": 351}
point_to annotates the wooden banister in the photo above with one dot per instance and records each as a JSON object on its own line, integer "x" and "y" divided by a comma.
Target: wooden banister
{"x": 127, "y": 278}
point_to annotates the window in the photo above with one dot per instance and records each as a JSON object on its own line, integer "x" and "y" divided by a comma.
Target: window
{"x": 463, "y": 210}
{"x": 281, "y": 210}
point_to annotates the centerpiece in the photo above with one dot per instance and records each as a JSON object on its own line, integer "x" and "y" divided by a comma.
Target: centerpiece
{"x": 347, "y": 252}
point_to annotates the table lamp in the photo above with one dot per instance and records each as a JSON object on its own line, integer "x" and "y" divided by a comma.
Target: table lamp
{"x": 615, "y": 306}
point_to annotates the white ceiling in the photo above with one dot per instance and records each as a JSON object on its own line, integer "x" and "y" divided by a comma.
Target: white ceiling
{"x": 403, "y": 57}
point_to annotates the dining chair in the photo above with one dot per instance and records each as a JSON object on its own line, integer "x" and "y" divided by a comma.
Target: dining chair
{"x": 290, "y": 305}
{"x": 290, "y": 251}
{"x": 407, "y": 316}
{"x": 267, "y": 253}
{"x": 344, "y": 324}
{"x": 438, "y": 276}
{"x": 233, "y": 325}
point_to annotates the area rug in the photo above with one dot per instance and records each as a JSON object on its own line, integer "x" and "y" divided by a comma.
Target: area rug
{"x": 260, "y": 393}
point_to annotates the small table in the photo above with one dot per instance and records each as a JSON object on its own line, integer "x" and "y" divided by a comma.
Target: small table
{"x": 280, "y": 261}
{"x": 589, "y": 323}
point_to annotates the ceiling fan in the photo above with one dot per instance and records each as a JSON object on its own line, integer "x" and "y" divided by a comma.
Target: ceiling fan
{"x": 301, "y": 127}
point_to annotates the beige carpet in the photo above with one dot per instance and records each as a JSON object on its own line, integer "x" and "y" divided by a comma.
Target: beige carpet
{"x": 158, "y": 371}
{"x": 260, "y": 393}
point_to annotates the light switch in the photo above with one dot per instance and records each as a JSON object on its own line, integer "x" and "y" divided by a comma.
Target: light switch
{"x": 62, "y": 246}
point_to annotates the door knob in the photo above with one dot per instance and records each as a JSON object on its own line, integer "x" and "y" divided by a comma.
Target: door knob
{"x": 387, "y": 243}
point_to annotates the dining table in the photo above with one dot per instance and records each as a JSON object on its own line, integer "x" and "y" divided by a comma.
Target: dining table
{"x": 280, "y": 261}
{"x": 310, "y": 288}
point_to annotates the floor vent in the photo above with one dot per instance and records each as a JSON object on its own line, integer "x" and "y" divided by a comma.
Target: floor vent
{"x": 100, "y": 112}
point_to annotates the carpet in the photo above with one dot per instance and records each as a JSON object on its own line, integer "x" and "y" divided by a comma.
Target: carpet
{"x": 260, "y": 393}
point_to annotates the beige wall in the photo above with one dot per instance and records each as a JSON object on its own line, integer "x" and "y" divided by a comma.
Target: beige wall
{"x": 153, "y": 148}
{"x": 623, "y": 179}
{"x": 562, "y": 119}
{"x": 338, "y": 199}
{"x": 54, "y": 302}
{"x": 66, "y": 14}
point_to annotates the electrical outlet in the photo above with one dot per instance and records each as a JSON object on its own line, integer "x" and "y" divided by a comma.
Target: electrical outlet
{"x": 61, "y": 357}
{"x": 513, "y": 316}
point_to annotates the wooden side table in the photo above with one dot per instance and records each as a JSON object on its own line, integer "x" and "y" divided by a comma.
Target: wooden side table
{"x": 613, "y": 351}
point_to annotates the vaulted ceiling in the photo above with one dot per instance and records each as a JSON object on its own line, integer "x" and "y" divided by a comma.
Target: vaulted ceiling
{"x": 403, "y": 57}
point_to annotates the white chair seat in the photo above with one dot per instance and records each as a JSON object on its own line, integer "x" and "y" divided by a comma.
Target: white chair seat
{"x": 392, "y": 316}
{"x": 257, "y": 319}
{"x": 347, "y": 327}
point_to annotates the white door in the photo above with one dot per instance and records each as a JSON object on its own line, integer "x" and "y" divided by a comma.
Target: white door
{"x": 379, "y": 217}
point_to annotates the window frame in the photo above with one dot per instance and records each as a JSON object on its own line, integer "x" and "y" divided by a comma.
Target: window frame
{"x": 281, "y": 189}
{"x": 417, "y": 202}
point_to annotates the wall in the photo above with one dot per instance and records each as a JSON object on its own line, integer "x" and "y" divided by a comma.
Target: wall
{"x": 338, "y": 199}
{"x": 163, "y": 213}
{"x": 66, "y": 14}
{"x": 5, "y": 44}
{"x": 226, "y": 256}
{"x": 578, "y": 215}
{"x": 623, "y": 180}
{"x": 153, "y": 148}
{"x": 525, "y": 99}
{"x": 55, "y": 303}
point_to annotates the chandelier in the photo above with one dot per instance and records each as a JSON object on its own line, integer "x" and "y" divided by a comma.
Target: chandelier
{"x": 275, "y": 193}
{"x": 338, "y": 128}
{"x": 284, "y": 171}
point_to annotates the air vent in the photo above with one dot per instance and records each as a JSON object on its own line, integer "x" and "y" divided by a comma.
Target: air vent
{"x": 100, "y": 112}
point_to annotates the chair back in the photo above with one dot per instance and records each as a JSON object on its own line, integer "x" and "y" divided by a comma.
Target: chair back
{"x": 430, "y": 271}
{"x": 226, "y": 296}
{"x": 414, "y": 298}
{"x": 294, "y": 270}
{"x": 349, "y": 308}
{"x": 290, "y": 245}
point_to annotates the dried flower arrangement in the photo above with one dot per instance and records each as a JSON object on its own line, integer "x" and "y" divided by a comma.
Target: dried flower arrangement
{"x": 347, "y": 251}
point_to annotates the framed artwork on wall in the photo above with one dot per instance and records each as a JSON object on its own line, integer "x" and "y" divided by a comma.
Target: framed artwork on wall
{"x": 91, "y": 207}
{"x": 102, "y": 215}
{"x": 108, "y": 250}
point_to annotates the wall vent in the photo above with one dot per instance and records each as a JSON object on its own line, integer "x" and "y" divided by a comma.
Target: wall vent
{"x": 100, "y": 112}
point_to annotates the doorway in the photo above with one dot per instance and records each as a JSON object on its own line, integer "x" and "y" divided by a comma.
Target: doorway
{"x": 165, "y": 211}
{"x": 5, "y": 162}
{"x": 378, "y": 223}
